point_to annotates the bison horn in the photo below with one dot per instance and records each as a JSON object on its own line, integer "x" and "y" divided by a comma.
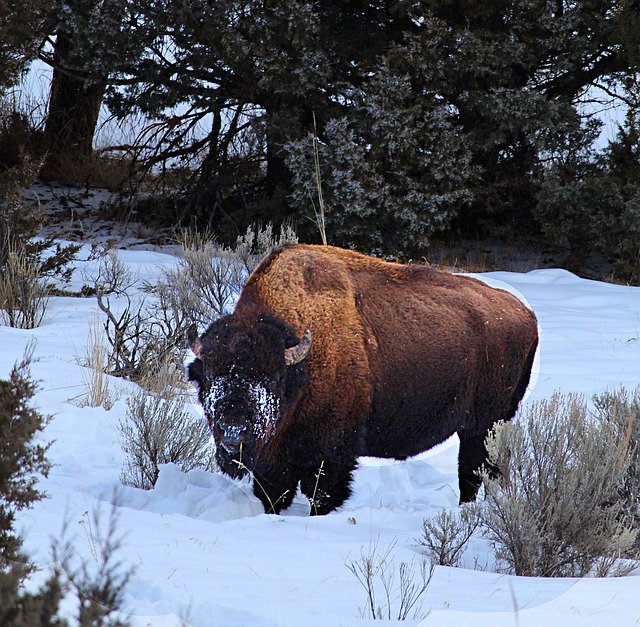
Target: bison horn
{"x": 195, "y": 343}
{"x": 297, "y": 353}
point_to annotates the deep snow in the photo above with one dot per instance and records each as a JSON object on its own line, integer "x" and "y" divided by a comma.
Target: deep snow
{"x": 204, "y": 551}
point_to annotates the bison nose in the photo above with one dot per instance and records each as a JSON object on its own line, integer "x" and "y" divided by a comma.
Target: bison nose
{"x": 232, "y": 438}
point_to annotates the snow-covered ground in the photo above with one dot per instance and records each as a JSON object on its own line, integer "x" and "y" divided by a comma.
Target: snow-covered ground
{"x": 203, "y": 550}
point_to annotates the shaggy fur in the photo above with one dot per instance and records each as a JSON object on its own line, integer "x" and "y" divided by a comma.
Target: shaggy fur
{"x": 402, "y": 357}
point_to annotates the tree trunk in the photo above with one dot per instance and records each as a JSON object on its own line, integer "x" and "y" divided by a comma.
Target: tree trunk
{"x": 74, "y": 106}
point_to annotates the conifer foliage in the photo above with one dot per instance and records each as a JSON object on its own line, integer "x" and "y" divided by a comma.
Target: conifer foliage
{"x": 407, "y": 118}
{"x": 22, "y": 462}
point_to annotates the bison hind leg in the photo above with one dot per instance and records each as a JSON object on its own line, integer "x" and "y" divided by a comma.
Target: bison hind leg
{"x": 328, "y": 486}
{"x": 471, "y": 458}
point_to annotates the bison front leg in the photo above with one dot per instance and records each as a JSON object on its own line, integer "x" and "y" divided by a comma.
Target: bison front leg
{"x": 276, "y": 487}
{"x": 328, "y": 486}
{"x": 471, "y": 458}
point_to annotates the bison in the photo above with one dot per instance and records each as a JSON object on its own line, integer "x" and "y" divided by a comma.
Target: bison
{"x": 330, "y": 355}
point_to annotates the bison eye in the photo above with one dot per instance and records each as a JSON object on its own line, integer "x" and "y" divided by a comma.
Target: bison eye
{"x": 272, "y": 383}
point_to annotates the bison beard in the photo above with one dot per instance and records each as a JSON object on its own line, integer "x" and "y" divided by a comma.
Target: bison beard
{"x": 397, "y": 360}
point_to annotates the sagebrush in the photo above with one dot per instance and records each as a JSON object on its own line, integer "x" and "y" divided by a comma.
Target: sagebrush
{"x": 446, "y": 536}
{"x": 159, "y": 429}
{"x": 210, "y": 276}
{"x": 623, "y": 407}
{"x": 147, "y": 324}
{"x": 558, "y": 507}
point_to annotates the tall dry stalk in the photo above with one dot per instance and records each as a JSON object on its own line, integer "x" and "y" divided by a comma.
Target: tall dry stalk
{"x": 320, "y": 211}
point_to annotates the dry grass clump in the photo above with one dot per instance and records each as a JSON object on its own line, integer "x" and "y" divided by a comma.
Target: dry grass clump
{"x": 23, "y": 293}
{"x": 97, "y": 391}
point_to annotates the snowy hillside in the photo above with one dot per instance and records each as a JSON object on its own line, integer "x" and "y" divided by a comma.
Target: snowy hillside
{"x": 203, "y": 550}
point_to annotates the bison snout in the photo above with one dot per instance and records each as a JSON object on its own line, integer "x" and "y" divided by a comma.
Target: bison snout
{"x": 232, "y": 438}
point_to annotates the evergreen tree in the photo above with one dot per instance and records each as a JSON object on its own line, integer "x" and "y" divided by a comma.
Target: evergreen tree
{"x": 256, "y": 74}
{"x": 590, "y": 202}
{"x": 87, "y": 40}
{"x": 22, "y": 462}
{"x": 23, "y": 28}
{"x": 423, "y": 111}
{"x": 393, "y": 168}
{"x": 516, "y": 71}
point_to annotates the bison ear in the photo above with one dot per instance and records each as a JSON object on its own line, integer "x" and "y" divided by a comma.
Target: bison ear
{"x": 297, "y": 353}
{"x": 195, "y": 344}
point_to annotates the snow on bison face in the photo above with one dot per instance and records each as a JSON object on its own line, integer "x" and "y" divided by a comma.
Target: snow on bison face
{"x": 246, "y": 381}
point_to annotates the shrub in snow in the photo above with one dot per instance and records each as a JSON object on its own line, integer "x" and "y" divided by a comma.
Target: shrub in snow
{"x": 135, "y": 338}
{"x": 144, "y": 330}
{"x": 158, "y": 429}
{"x": 558, "y": 508}
{"x": 20, "y": 227}
{"x": 25, "y": 262}
{"x": 447, "y": 535}
{"x": 623, "y": 408}
{"x": 22, "y": 461}
{"x": 209, "y": 277}
{"x": 99, "y": 583}
{"x": 23, "y": 298}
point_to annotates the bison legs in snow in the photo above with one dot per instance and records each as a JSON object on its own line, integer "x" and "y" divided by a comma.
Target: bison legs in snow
{"x": 327, "y": 486}
{"x": 276, "y": 487}
{"x": 473, "y": 452}
{"x": 471, "y": 457}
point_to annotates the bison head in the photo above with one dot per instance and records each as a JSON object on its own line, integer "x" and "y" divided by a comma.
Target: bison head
{"x": 249, "y": 374}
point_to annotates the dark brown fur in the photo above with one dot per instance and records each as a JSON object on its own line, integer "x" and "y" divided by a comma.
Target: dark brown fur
{"x": 402, "y": 357}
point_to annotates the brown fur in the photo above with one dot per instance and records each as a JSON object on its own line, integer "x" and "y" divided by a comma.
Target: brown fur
{"x": 402, "y": 357}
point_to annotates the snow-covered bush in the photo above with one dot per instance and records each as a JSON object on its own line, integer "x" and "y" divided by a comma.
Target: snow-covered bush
{"x": 558, "y": 508}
